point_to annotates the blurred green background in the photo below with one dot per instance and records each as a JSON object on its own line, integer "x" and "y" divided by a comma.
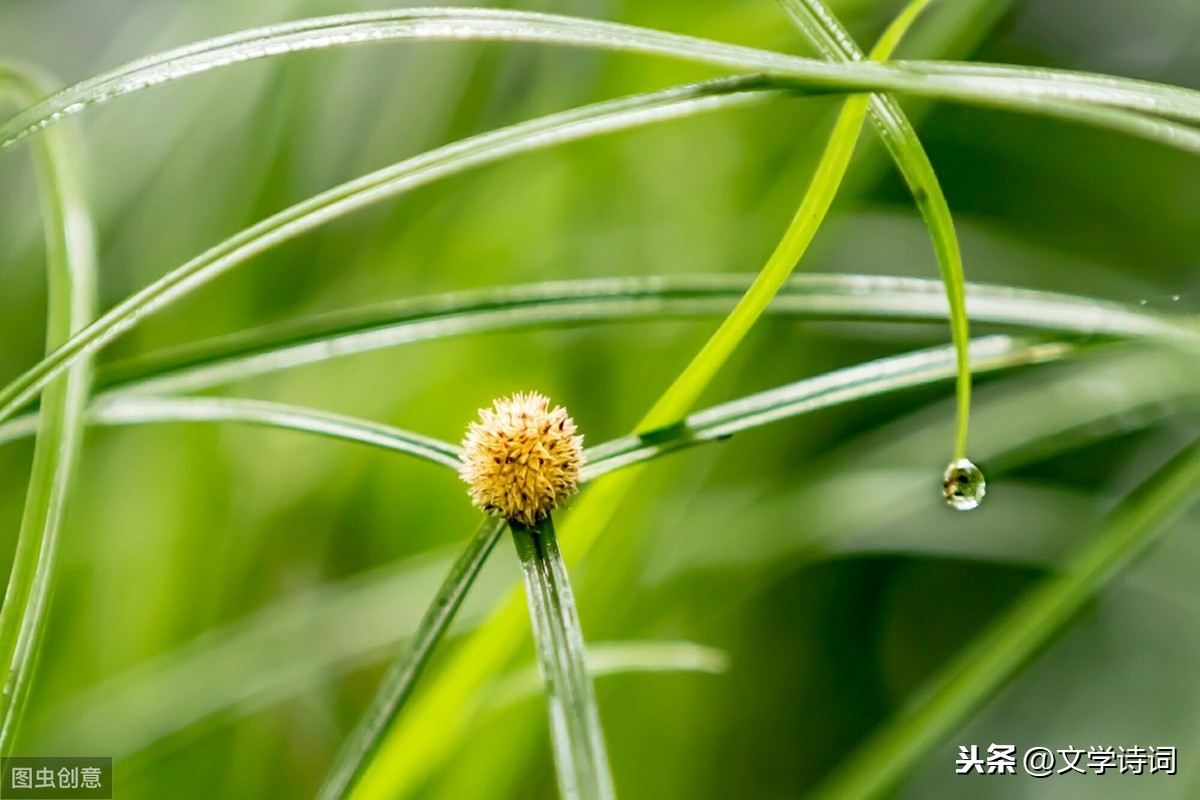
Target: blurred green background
{"x": 228, "y": 597}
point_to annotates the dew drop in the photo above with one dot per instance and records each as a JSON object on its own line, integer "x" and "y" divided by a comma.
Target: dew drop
{"x": 963, "y": 485}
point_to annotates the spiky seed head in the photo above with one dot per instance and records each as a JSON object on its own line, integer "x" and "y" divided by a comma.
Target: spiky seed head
{"x": 522, "y": 458}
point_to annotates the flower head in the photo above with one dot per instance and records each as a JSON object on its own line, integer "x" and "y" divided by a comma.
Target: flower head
{"x": 522, "y": 458}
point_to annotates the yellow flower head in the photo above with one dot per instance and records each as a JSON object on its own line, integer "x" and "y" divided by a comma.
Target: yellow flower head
{"x": 522, "y": 458}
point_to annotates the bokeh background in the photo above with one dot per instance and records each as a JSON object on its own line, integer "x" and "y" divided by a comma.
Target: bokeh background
{"x": 228, "y": 597}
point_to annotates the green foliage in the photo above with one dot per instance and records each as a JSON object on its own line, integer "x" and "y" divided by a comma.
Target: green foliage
{"x": 222, "y": 600}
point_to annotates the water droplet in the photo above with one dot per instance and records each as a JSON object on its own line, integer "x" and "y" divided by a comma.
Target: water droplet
{"x": 963, "y": 485}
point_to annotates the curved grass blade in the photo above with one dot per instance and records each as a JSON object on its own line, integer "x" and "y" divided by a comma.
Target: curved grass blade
{"x": 417, "y": 171}
{"x": 717, "y": 422}
{"x": 262, "y": 351}
{"x": 580, "y": 756}
{"x": 822, "y": 28}
{"x": 1115, "y": 391}
{"x": 1057, "y": 93}
{"x": 139, "y": 410}
{"x": 998, "y": 654}
{"x": 618, "y": 658}
{"x": 681, "y": 395}
{"x": 877, "y": 298}
{"x": 402, "y": 676}
{"x": 833, "y": 388}
{"x": 71, "y": 267}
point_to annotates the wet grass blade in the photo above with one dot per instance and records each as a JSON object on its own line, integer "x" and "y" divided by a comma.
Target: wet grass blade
{"x": 402, "y": 675}
{"x": 71, "y": 267}
{"x": 681, "y": 395}
{"x": 1057, "y": 93}
{"x": 841, "y": 386}
{"x": 833, "y": 388}
{"x": 823, "y": 30}
{"x": 580, "y": 756}
{"x": 136, "y": 410}
{"x": 993, "y": 659}
{"x": 237, "y": 357}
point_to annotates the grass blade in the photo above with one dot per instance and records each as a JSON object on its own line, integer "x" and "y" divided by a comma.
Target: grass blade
{"x": 417, "y": 171}
{"x": 140, "y": 410}
{"x": 810, "y": 394}
{"x": 402, "y": 676}
{"x": 679, "y": 398}
{"x": 822, "y": 28}
{"x": 833, "y": 388}
{"x": 996, "y": 656}
{"x": 71, "y": 267}
{"x": 237, "y": 357}
{"x": 1059, "y": 93}
{"x": 579, "y": 753}
{"x": 618, "y": 658}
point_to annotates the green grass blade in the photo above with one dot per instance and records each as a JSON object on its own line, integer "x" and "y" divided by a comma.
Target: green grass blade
{"x": 618, "y": 658}
{"x": 858, "y": 297}
{"x": 262, "y": 351}
{"x": 838, "y": 387}
{"x": 822, "y": 28}
{"x": 402, "y": 676}
{"x": 580, "y": 756}
{"x": 999, "y": 653}
{"x": 71, "y": 267}
{"x": 1056, "y": 93}
{"x": 139, "y": 410}
{"x": 849, "y": 384}
{"x": 679, "y": 398}
{"x": 417, "y": 171}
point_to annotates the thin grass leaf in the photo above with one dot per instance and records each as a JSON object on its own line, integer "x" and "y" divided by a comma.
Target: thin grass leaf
{"x": 1056, "y": 93}
{"x": 71, "y": 267}
{"x": 681, "y": 395}
{"x": 406, "y": 175}
{"x": 849, "y": 384}
{"x": 139, "y": 410}
{"x": 822, "y": 28}
{"x": 309, "y": 341}
{"x": 838, "y": 387}
{"x": 398, "y": 684}
{"x": 580, "y": 756}
{"x": 1108, "y": 393}
{"x": 998, "y": 654}
{"x": 206, "y": 364}
{"x": 617, "y": 658}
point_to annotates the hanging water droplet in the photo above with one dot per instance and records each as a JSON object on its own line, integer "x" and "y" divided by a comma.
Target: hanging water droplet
{"x": 963, "y": 485}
